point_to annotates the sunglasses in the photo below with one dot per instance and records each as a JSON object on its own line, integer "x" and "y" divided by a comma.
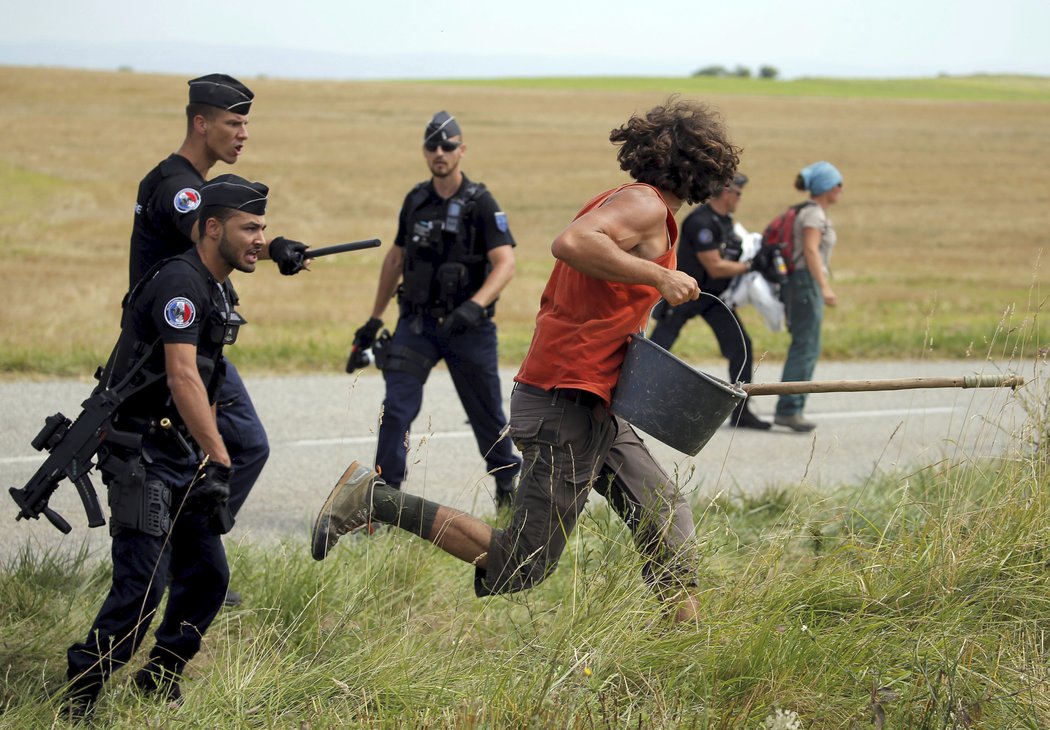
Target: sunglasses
{"x": 446, "y": 146}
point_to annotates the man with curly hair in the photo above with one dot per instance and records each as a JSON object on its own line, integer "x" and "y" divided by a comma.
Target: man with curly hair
{"x": 614, "y": 261}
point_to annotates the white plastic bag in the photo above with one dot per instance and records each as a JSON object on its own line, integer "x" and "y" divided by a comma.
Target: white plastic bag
{"x": 752, "y": 288}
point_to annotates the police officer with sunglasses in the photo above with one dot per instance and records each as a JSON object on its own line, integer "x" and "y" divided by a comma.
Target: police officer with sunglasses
{"x": 451, "y": 258}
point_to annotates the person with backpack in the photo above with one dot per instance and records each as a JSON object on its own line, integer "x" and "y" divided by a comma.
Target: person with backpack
{"x": 711, "y": 251}
{"x": 808, "y": 290}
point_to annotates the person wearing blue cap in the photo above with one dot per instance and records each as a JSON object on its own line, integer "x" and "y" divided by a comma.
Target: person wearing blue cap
{"x": 808, "y": 289}
{"x": 169, "y": 482}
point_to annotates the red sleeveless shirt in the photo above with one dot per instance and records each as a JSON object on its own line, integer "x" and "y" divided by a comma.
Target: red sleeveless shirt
{"x": 583, "y": 323}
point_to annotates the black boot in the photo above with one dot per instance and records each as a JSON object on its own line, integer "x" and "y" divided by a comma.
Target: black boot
{"x": 80, "y": 698}
{"x": 742, "y": 417}
{"x": 160, "y": 677}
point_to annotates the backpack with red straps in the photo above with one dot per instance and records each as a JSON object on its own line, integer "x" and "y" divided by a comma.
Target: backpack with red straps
{"x": 780, "y": 233}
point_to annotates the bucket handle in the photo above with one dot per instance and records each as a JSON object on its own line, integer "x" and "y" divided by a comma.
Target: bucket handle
{"x": 743, "y": 340}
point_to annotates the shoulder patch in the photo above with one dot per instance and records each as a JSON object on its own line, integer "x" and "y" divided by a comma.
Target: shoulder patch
{"x": 180, "y": 313}
{"x": 706, "y": 236}
{"x": 501, "y": 221}
{"x": 186, "y": 200}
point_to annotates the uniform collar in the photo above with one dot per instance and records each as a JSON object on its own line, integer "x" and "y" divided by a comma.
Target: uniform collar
{"x": 175, "y": 162}
{"x": 193, "y": 259}
{"x": 462, "y": 186}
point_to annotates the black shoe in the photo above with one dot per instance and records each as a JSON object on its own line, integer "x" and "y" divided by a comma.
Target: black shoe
{"x": 161, "y": 680}
{"x": 743, "y": 418}
{"x": 80, "y": 700}
{"x": 233, "y": 598}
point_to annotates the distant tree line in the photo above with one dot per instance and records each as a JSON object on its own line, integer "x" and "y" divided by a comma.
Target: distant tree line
{"x": 741, "y": 72}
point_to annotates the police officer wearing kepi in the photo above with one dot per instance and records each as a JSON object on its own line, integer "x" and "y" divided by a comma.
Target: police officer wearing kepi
{"x": 453, "y": 255}
{"x": 169, "y": 498}
{"x": 166, "y": 212}
{"x": 710, "y": 252}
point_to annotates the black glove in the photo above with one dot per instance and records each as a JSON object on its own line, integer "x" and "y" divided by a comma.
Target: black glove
{"x": 364, "y": 338}
{"x": 466, "y": 316}
{"x": 289, "y": 255}
{"x": 763, "y": 263}
{"x": 210, "y": 489}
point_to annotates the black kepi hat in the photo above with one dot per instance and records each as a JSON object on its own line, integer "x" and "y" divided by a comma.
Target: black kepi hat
{"x": 222, "y": 91}
{"x": 233, "y": 191}
{"x": 440, "y": 127}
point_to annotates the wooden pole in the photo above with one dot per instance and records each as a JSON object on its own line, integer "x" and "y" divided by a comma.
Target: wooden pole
{"x": 855, "y": 386}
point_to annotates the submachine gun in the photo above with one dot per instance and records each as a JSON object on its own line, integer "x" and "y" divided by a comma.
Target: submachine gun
{"x": 72, "y": 446}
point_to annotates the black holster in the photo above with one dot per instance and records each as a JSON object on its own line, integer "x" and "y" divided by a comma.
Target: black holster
{"x": 222, "y": 520}
{"x": 137, "y": 503}
{"x": 400, "y": 359}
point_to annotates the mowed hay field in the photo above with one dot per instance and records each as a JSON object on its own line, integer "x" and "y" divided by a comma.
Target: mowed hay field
{"x": 943, "y": 226}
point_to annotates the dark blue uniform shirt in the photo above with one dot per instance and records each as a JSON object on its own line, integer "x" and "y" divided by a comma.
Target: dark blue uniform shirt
{"x": 165, "y": 213}
{"x": 706, "y": 230}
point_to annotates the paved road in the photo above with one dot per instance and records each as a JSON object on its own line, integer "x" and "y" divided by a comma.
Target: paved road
{"x": 317, "y": 424}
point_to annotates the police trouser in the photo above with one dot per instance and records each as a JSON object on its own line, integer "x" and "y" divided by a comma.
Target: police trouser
{"x": 243, "y": 434}
{"x": 723, "y": 322}
{"x": 194, "y": 559}
{"x": 571, "y": 444}
{"x": 473, "y": 363}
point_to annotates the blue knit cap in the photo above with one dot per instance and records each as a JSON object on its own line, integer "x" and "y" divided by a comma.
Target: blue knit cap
{"x": 820, "y": 177}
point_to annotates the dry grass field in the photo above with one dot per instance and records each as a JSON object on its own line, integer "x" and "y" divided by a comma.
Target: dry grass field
{"x": 942, "y": 227}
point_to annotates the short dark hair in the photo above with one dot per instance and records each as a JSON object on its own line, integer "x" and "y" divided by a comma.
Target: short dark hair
{"x": 219, "y": 213}
{"x": 681, "y": 147}
{"x": 739, "y": 181}
{"x": 207, "y": 111}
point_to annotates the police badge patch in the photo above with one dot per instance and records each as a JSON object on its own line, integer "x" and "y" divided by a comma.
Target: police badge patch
{"x": 501, "y": 221}
{"x": 180, "y": 313}
{"x": 186, "y": 200}
{"x": 706, "y": 236}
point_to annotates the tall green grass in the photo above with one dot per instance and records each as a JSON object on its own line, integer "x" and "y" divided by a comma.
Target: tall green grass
{"x": 917, "y": 599}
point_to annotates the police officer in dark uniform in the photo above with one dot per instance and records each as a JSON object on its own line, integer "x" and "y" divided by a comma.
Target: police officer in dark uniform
{"x": 166, "y": 213}
{"x": 169, "y": 498}
{"x": 453, "y": 255}
{"x": 709, "y": 251}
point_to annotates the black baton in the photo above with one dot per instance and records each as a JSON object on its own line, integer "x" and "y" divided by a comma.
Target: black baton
{"x": 315, "y": 253}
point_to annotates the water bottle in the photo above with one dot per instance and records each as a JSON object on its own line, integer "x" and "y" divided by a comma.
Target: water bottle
{"x": 780, "y": 266}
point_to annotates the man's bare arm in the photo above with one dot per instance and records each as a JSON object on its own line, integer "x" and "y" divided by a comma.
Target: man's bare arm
{"x": 191, "y": 400}
{"x": 502, "y": 271}
{"x": 720, "y": 268}
{"x": 617, "y": 242}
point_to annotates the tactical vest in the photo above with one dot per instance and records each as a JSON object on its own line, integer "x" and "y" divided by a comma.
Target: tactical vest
{"x": 731, "y": 249}
{"x": 442, "y": 266}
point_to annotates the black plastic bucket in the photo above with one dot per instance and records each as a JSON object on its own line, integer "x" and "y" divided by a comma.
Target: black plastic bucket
{"x": 669, "y": 400}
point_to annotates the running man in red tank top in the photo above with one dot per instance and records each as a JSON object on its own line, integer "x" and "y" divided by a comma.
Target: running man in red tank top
{"x": 614, "y": 261}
